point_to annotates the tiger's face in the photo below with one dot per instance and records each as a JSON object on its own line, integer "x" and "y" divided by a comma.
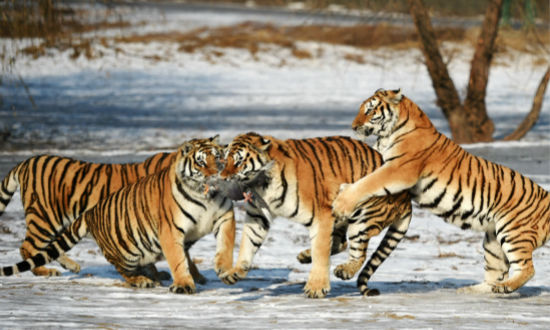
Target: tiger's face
{"x": 378, "y": 114}
{"x": 199, "y": 159}
{"x": 246, "y": 156}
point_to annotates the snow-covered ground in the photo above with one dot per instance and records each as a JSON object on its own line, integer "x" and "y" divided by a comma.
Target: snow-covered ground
{"x": 123, "y": 106}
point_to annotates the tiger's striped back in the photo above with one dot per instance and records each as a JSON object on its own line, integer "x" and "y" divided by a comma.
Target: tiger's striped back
{"x": 56, "y": 190}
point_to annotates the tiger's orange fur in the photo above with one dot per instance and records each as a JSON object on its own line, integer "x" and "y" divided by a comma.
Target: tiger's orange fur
{"x": 303, "y": 177}
{"x": 161, "y": 215}
{"x": 468, "y": 191}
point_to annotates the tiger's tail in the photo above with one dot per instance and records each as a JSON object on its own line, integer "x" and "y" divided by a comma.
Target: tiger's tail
{"x": 63, "y": 243}
{"x": 8, "y": 187}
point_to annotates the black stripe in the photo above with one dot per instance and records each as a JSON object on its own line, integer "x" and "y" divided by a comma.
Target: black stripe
{"x": 393, "y": 158}
{"x": 186, "y": 214}
{"x": 8, "y": 271}
{"x": 264, "y": 221}
{"x": 452, "y": 211}
{"x": 186, "y": 195}
{"x": 436, "y": 201}
{"x": 284, "y": 183}
{"x": 6, "y": 201}
{"x": 329, "y": 154}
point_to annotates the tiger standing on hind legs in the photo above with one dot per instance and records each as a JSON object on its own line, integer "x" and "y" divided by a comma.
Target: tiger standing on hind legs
{"x": 161, "y": 215}
{"x": 468, "y": 191}
{"x": 298, "y": 179}
{"x": 56, "y": 190}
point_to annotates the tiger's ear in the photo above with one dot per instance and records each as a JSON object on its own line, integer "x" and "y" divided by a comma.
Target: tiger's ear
{"x": 265, "y": 144}
{"x": 215, "y": 139}
{"x": 186, "y": 147}
{"x": 395, "y": 97}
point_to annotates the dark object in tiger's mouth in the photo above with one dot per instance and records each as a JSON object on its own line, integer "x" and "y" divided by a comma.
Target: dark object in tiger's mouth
{"x": 233, "y": 189}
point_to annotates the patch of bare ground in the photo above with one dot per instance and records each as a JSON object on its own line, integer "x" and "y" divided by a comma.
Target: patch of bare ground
{"x": 255, "y": 37}
{"x": 252, "y": 35}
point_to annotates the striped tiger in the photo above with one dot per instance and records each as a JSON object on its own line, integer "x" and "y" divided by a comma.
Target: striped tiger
{"x": 161, "y": 215}
{"x": 302, "y": 178}
{"x": 468, "y": 191}
{"x": 56, "y": 190}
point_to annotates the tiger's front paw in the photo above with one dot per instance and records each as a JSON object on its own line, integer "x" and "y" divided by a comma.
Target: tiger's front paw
{"x": 140, "y": 281}
{"x": 183, "y": 283}
{"x": 69, "y": 264}
{"x": 317, "y": 287}
{"x": 501, "y": 288}
{"x": 304, "y": 257}
{"x": 347, "y": 270}
{"x": 344, "y": 203}
{"x": 233, "y": 275}
{"x": 221, "y": 266}
{"x": 186, "y": 289}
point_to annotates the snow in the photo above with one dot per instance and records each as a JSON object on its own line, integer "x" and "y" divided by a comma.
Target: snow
{"x": 123, "y": 106}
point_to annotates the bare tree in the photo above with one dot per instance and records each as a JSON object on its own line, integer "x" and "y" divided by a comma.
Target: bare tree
{"x": 468, "y": 120}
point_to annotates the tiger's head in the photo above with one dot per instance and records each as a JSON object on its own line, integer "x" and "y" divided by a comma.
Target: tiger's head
{"x": 246, "y": 157}
{"x": 198, "y": 160}
{"x": 378, "y": 114}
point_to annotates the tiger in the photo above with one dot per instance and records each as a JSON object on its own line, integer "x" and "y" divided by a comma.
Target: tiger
{"x": 302, "y": 178}
{"x": 463, "y": 189}
{"x": 160, "y": 216}
{"x": 56, "y": 190}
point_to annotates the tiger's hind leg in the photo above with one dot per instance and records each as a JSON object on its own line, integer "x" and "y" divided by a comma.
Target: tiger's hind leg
{"x": 394, "y": 235}
{"x": 358, "y": 243}
{"x": 339, "y": 244}
{"x": 27, "y": 250}
{"x": 38, "y": 237}
{"x": 519, "y": 251}
{"x": 523, "y": 271}
{"x": 496, "y": 265}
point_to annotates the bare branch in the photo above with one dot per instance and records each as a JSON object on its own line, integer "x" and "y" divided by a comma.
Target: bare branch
{"x": 447, "y": 95}
{"x": 533, "y": 115}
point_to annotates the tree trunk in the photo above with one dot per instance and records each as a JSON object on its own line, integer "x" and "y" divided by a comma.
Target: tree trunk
{"x": 533, "y": 115}
{"x": 469, "y": 122}
{"x": 445, "y": 90}
{"x": 474, "y": 104}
